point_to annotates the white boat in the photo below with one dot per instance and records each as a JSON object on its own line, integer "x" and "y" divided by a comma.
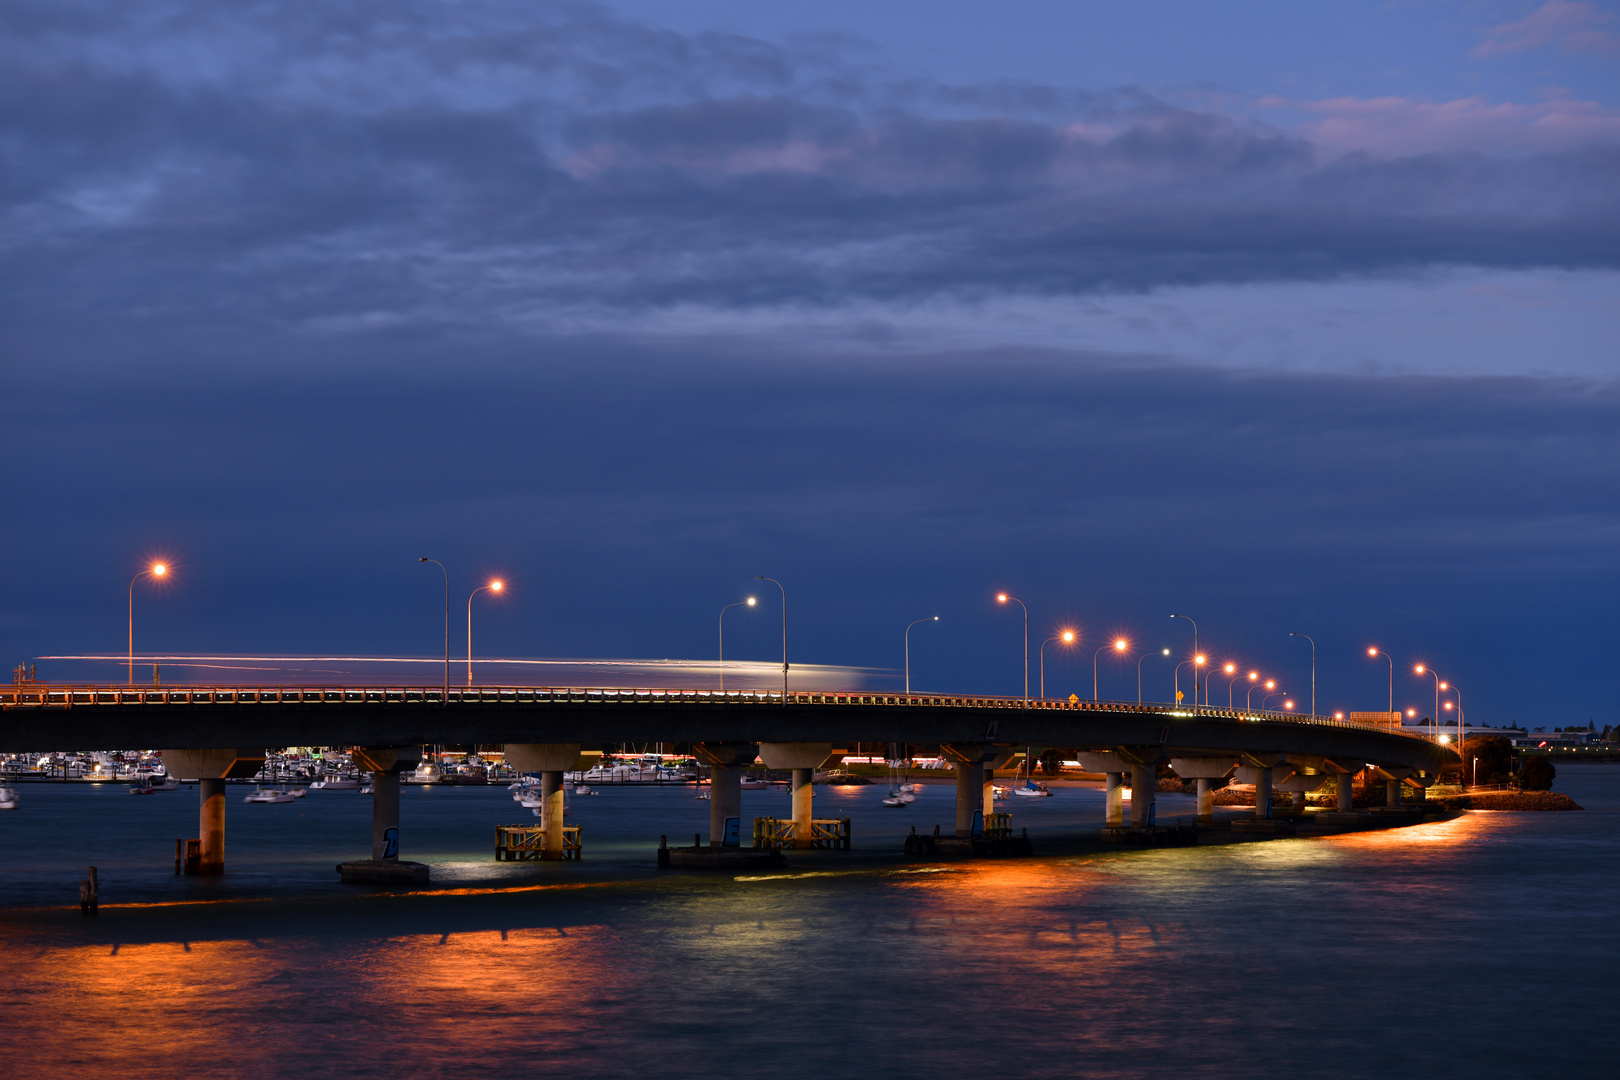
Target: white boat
{"x": 895, "y": 799}
{"x": 297, "y": 793}
{"x": 269, "y": 795}
{"x": 336, "y": 783}
{"x": 1032, "y": 790}
{"x": 8, "y": 798}
{"x": 704, "y": 794}
{"x": 581, "y": 789}
{"x": 532, "y": 800}
{"x": 748, "y": 783}
{"x": 997, "y": 793}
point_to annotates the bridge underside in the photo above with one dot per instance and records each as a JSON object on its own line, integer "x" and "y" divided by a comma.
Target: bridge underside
{"x": 1173, "y": 733}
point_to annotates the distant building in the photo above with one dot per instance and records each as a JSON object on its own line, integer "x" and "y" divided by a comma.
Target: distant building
{"x": 1383, "y": 719}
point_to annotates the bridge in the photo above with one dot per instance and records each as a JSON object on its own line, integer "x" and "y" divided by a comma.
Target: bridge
{"x": 211, "y": 733}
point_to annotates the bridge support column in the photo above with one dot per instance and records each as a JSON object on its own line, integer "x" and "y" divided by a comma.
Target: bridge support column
{"x": 1205, "y": 770}
{"x": 969, "y": 794}
{"x": 1262, "y": 793}
{"x": 725, "y": 761}
{"x": 802, "y": 806}
{"x": 384, "y": 816}
{"x": 1114, "y": 799}
{"x": 551, "y": 812}
{"x": 1392, "y": 792}
{"x": 211, "y": 768}
{"x": 1344, "y": 790}
{"x": 1144, "y": 789}
{"x": 1206, "y": 799}
{"x": 211, "y": 826}
{"x": 385, "y": 867}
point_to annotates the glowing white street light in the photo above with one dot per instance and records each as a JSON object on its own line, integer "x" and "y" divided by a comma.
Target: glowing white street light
{"x": 1002, "y": 598}
{"x": 750, "y": 602}
{"x": 1067, "y": 637}
{"x": 914, "y": 622}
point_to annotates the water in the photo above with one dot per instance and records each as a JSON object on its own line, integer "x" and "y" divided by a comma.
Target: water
{"x": 1483, "y": 946}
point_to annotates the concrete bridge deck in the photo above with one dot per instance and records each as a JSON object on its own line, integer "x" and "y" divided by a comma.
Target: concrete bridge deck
{"x": 47, "y": 718}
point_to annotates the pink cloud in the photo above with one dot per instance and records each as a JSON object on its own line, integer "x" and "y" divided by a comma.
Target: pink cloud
{"x": 1575, "y": 25}
{"x": 1397, "y": 125}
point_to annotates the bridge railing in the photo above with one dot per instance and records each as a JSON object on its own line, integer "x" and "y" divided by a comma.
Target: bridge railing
{"x": 67, "y": 696}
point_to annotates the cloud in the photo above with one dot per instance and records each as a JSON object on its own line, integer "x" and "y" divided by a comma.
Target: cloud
{"x": 432, "y": 168}
{"x": 1574, "y": 25}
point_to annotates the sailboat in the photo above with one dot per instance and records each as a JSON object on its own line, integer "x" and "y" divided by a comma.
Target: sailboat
{"x": 1029, "y": 789}
{"x": 899, "y": 794}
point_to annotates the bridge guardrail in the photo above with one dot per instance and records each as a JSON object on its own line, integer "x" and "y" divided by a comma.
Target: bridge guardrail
{"x": 78, "y": 696}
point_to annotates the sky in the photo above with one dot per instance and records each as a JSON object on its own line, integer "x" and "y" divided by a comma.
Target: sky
{"x": 1290, "y": 318}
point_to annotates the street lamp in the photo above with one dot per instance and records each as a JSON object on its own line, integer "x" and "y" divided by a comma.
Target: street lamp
{"x": 1434, "y": 725}
{"x": 1373, "y": 651}
{"x": 157, "y": 570}
{"x": 495, "y": 586}
{"x": 914, "y": 622}
{"x": 1268, "y": 697}
{"x": 750, "y": 602}
{"x": 1002, "y": 598}
{"x": 1248, "y": 699}
{"x": 1190, "y": 619}
{"x": 445, "y": 699}
{"x": 1139, "y": 659}
{"x": 1312, "y": 640}
{"x": 1067, "y": 637}
{"x": 1230, "y": 669}
{"x": 1119, "y": 646}
{"x": 783, "y": 591}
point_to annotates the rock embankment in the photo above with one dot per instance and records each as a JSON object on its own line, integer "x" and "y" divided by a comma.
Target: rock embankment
{"x": 1508, "y": 800}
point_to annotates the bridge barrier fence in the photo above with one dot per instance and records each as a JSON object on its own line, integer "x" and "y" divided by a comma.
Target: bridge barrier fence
{"x": 76, "y": 696}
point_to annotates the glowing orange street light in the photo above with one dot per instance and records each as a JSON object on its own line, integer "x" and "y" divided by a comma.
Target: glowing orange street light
{"x": 157, "y": 570}
{"x": 1231, "y": 670}
{"x": 494, "y": 586}
{"x": 1067, "y": 637}
{"x": 1119, "y": 645}
{"x": 1002, "y": 598}
{"x": 1338, "y": 716}
{"x": 1373, "y": 651}
{"x": 1288, "y": 704}
{"x": 1248, "y": 699}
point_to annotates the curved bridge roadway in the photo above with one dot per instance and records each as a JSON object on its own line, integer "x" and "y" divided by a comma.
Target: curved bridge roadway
{"x": 219, "y": 731}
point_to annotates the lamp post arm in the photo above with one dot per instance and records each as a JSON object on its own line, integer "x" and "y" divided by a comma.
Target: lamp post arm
{"x": 444, "y": 699}
{"x": 914, "y": 622}
{"x": 783, "y": 591}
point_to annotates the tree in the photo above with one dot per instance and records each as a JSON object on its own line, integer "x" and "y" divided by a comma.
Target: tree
{"x": 1537, "y": 774}
{"x": 1494, "y": 753}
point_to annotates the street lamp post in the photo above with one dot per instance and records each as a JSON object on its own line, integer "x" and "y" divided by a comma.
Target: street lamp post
{"x": 1196, "y": 662}
{"x": 1003, "y": 598}
{"x": 1194, "y": 622}
{"x": 1434, "y": 725}
{"x": 750, "y": 602}
{"x": 1373, "y": 651}
{"x": 1248, "y": 699}
{"x": 1139, "y": 659}
{"x": 494, "y": 586}
{"x": 445, "y": 699}
{"x": 1067, "y": 637}
{"x": 1119, "y": 646}
{"x": 783, "y": 591}
{"x": 1312, "y": 640}
{"x": 1230, "y": 669}
{"x": 914, "y": 622}
{"x": 157, "y": 570}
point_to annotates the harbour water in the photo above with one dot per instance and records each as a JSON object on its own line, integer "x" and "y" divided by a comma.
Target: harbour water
{"x": 1479, "y": 947}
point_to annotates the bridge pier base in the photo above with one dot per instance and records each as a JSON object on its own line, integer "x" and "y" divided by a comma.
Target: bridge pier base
{"x": 725, "y": 761}
{"x": 211, "y": 826}
{"x": 551, "y": 812}
{"x": 1144, "y": 792}
{"x": 385, "y": 867}
{"x": 969, "y": 794}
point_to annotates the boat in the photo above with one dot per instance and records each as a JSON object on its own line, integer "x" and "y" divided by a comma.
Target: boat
{"x": 142, "y": 789}
{"x": 702, "y": 795}
{"x": 900, "y": 794}
{"x": 8, "y": 798}
{"x": 336, "y": 783}
{"x": 749, "y": 783}
{"x": 581, "y": 789}
{"x": 1032, "y": 790}
{"x": 269, "y": 795}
